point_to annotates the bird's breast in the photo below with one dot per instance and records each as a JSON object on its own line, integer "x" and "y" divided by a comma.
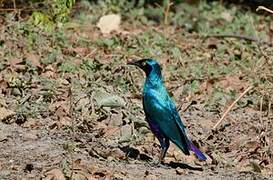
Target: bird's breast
{"x": 154, "y": 102}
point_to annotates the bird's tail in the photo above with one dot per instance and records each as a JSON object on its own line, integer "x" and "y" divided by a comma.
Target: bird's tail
{"x": 197, "y": 152}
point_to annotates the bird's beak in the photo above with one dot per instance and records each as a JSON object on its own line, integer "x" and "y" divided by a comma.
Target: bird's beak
{"x": 133, "y": 62}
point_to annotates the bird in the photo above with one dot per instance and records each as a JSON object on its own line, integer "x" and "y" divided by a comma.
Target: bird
{"x": 161, "y": 112}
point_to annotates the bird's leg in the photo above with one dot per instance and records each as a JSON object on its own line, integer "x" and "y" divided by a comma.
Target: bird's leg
{"x": 165, "y": 144}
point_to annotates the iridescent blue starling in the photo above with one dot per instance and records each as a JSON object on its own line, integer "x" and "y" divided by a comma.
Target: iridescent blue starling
{"x": 161, "y": 113}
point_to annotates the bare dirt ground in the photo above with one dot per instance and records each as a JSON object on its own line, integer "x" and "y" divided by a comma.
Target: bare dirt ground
{"x": 29, "y": 152}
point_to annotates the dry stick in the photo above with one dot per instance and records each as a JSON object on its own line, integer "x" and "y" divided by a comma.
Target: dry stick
{"x": 247, "y": 38}
{"x": 264, "y": 8}
{"x": 231, "y": 106}
{"x": 166, "y": 12}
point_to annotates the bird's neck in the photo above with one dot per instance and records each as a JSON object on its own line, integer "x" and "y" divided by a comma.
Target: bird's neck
{"x": 154, "y": 80}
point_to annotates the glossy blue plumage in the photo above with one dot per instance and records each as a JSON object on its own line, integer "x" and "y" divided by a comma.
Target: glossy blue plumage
{"x": 161, "y": 113}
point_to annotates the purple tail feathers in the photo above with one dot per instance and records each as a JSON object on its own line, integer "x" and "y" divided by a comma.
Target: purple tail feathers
{"x": 197, "y": 152}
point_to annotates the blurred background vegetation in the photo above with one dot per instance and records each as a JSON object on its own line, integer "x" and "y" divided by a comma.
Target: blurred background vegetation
{"x": 54, "y": 11}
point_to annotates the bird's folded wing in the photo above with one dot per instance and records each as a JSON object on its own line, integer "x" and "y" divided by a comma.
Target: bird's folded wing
{"x": 169, "y": 123}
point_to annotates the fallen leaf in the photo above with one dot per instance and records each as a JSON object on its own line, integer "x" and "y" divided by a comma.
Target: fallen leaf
{"x": 255, "y": 165}
{"x": 233, "y": 83}
{"x": 49, "y": 71}
{"x": 105, "y": 99}
{"x": 83, "y": 51}
{"x": 109, "y": 23}
{"x": 54, "y": 174}
{"x": 117, "y": 153}
{"x": 34, "y": 59}
{"x": 4, "y": 113}
{"x": 207, "y": 86}
{"x": 60, "y": 108}
{"x": 15, "y": 61}
{"x": 115, "y": 119}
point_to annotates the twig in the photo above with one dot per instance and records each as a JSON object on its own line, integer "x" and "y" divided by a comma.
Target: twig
{"x": 231, "y": 106}
{"x": 9, "y": 9}
{"x": 166, "y": 11}
{"x": 91, "y": 53}
{"x": 14, "y": 4}
{"x": 184, "y": 108}
{"x": 264, "y": 8}
{"x": 20, "y": 8}
{"x": 237, "y": 36}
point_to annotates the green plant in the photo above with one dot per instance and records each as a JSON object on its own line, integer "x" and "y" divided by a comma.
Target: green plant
{"x": 56, "y": 11}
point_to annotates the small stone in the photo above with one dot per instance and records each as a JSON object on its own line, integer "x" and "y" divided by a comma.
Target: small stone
{"x": 16, "y": 92}
{"x": 126, "y": 132}
{"x": 144, "y": 130}
{"x": 115, "y": 120}
{"x": 4, "y": 173}
{"x": 180, "y": 171}
{"x": 117, "y": 153}
{"x": 150, "y": 137}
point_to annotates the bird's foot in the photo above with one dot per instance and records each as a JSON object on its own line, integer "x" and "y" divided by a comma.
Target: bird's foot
{"x": 159, "y": 164}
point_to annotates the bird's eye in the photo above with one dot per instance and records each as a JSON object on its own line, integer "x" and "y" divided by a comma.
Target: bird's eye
{"x": 143, "y": 63}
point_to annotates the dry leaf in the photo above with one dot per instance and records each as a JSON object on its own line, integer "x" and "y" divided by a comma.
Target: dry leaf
{"x": 109, "y": 23}
{"x": 4, "y": 113}
{"x": 206, "y": 86}
{"x": 15, "y": 61}
{"x": 49, "y": 71}
{"x": 34, "y": 59}
{"x": 83, "y": 51}
{"x": 54, "y": 174}
{"x": 233, "y": 83}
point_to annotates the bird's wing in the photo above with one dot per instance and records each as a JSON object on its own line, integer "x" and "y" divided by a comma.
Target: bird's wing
{"x": 184, "y": 133}
{"x": 164, "y": 113}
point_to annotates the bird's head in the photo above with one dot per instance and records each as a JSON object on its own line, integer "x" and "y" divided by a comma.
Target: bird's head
{"x": 147, "y": 65}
